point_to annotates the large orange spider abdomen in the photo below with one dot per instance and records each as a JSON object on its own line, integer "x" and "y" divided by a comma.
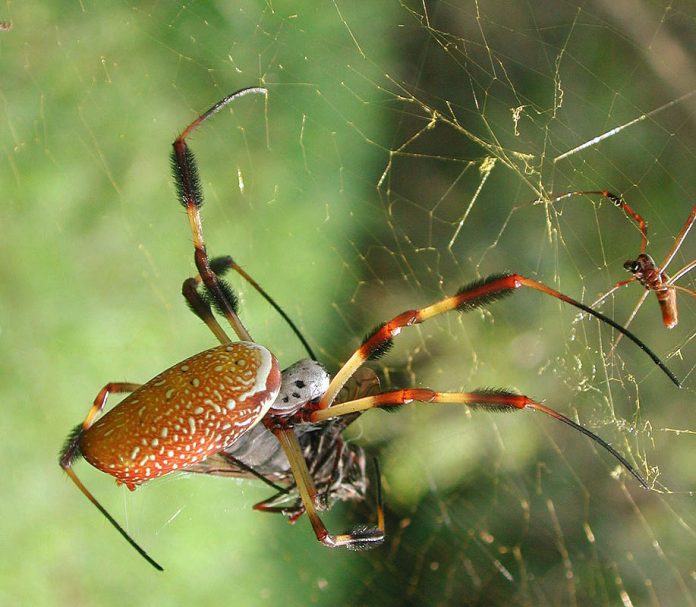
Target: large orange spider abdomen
{"x": 196, "y": 408}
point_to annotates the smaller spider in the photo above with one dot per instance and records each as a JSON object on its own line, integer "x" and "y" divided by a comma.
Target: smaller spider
{"x": 203, "y": 412}
{"x": 643, "y": 268}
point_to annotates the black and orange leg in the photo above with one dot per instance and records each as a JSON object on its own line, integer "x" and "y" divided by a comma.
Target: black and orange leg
{"x": 200, "y": 307}
{"x": 616, "y": 201}
{"x": 190, "y": 195}
{"x": 71, "y": 451}
{"x": 472, "y": 296}
{"x": 485, "y": 399}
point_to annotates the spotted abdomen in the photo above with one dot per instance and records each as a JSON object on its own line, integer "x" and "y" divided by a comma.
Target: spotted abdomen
{"x": 196, "y": 408}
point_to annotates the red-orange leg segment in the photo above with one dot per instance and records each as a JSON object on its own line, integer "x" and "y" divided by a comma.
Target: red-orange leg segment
{"x": 474, "y": 295}
{"x": 487, "y": 399}
{"x": 677, "y": 245}
{"x": 360, "y": 538}
{"x": 191, "y": 197}
{"x": 71, "y": 451}
{"x": 617, "y": 201}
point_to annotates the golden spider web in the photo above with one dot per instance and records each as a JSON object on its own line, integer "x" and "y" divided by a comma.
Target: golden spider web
{"x": 399, "y": 156}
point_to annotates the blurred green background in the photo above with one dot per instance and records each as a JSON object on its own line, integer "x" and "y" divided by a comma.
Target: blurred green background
{"x": 395, "y": 159}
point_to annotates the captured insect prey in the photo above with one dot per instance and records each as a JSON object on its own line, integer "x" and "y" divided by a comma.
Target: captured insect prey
{"x": 231, "y": 411}
{"x": 337, "y": 467}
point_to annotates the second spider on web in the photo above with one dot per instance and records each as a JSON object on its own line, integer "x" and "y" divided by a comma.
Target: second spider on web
{"x": 643, "y": 269}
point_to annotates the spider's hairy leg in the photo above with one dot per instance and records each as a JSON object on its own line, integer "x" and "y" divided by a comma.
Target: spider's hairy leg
{"x": 71, "y": 452}
{"x": 201, "y": 303}
{"x": 201, "y": 308}
{"x": 486, "y": 398}
{"x": 191, "y": 197}
{"x": 362, "y": 537}
{"x": 475, "y": 295}
{"x": 220, "y": 265}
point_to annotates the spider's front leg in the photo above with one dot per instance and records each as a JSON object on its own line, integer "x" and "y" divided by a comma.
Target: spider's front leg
{"x": 497, "y": 400}
{"x": 472, "y": 296}
{"x": 190, "y": 195}
{"x": 475, "y": 295}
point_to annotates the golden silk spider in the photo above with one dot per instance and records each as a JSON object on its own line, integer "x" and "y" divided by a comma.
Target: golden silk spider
{"x": 643, "y": 268}
{"x": 215, "y": 412}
